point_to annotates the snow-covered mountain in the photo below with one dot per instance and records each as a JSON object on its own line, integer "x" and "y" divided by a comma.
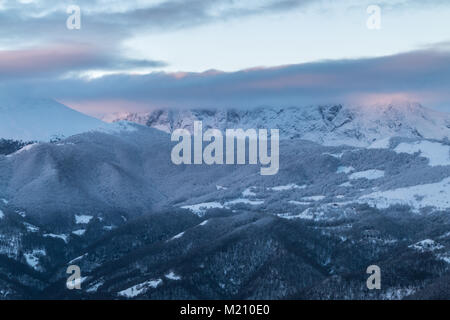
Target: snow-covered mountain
{"x": 112, "y": 202}
{"x": 30, "y": 119}
{"x": 328, "y": 125}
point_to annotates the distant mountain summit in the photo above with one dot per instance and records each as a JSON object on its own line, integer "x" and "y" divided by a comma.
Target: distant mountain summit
{"x": 329, "y": 125}
{"x": 29, "y": 119}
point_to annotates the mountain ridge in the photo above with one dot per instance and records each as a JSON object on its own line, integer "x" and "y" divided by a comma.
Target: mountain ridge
{"x": 330, "y": 125}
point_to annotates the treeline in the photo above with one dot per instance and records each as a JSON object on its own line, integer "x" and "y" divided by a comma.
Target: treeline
{"x": 11, "y": 146}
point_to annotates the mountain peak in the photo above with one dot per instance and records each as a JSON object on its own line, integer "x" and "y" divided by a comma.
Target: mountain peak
{"x": 38, "y": 119}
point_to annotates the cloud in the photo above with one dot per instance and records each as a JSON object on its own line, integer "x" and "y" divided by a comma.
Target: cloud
{"x": 60, "y": 59}
{"x": 119, "y": 19}
{"x": 422, "y": 75}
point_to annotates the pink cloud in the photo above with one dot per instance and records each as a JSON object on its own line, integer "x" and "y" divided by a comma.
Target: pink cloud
{"x": 45, "y": 60}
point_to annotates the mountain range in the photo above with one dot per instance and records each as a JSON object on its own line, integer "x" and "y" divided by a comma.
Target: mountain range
{"x": 357, "y": 186}
{"x": 329, "y": 125}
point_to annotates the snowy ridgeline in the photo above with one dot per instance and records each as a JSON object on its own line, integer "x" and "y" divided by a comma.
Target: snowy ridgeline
{"x": 331, "y": 125}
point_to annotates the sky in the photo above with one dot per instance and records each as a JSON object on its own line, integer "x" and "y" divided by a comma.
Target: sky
{"x": 139, "y": 55}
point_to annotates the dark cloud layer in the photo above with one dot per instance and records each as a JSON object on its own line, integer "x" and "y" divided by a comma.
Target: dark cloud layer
{"x": 421, "y": 75}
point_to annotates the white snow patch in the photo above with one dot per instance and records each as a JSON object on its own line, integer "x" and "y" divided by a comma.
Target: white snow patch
{"x": 21, "y": 213}
{"x": 345, "y": 170}
{"x": 57, "y": 236}
{"x": 290, "y": 186}
{"x": 221, "y": 187}
{"x": 26, "y": 148}
{"x": 426, "y": 245}
{"x": 299, "y": 203}
{"x": 201, "y": 208}
{"x": 438, "y": 154}
{"x": 244, "y": 201}
{"x": 5, "y": 202}
{"x": 82, "y": 219}
{"x": 2, "y": 215}
{"x": 203, "y": 223}
{"x": 79, "y": 232}
{"x": 346, "y": 184}
{"x": 77, "y": 259}
{"x": 334, "y": 155}
{"x": 380, "y": 144}
{"x": 397, "y": 293}
{"x": 371, "y": 174}
{"x": 172, "y": 276}
{"x": 307, "y": 214}
{"x": 140, "y": 288}
{"x": 30, "y": 227}
{"x": 248, "y": 192}
{"x": 32, "y": 258}
{"x": 313, "y": 198}
{"x": 178, "y": 236}
{"x": 425, "y": 195}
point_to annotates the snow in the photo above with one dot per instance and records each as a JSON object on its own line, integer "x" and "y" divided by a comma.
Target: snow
{"x": 79, "y": 232}
{"x": 5, "y": 202}
{"x": 437, "y": 154}
{"x": 244, "y": 201}
{"x": 314, "y": 198}
{"x": 10, "y": 245}
{"x": 368, "y": 174}
{"x": 248, "y": 192}
{"x": 290, "y": 186}
{"x": 444, "y": 257}
{"x": 26, "y": 148}
{"x": 139, "y": 289}
{"x": 201, "y": 208}
{"x": 77, "y": 259}
{"x": 116, "y": 127}
{"x": 347, "y": 184}
{"x": 30, "y": 227}
{"x": 425, "y": 195}
{"x": 2, "y": 215}
{"x": 380, "y": 144}
{"x": 82, "y": 219}
{"x": 299, "y": 203}
{"x": 29, "y": 119}
{"x": 203, "y": 223}
{"x": 426, "y": 245}
{"x": 345, "y": 170}
{"x": 332, "y": 125}
{"x": 21, "y": 213}
{"x": 57, "y": 236}
{"x": 32, "y": 258}
{"x": 397, "y": 293}
{"x": 178, "y": 236}
{"x": 307, "y": 214}
{"x": 221, "y": 187}
{"x": 334, "y": 155}
{"x": 172, "y": 276}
